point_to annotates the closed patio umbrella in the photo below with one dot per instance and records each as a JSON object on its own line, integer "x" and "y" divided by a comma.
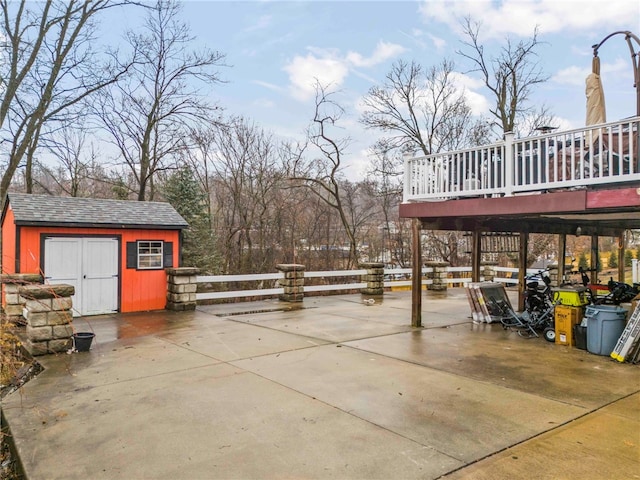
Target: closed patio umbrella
{"x": 596, "y": 114}
{"x": 596, "y": 111}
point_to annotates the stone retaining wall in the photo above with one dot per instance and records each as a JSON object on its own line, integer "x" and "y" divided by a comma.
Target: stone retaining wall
{"x": 14, "y": 304}
{"x": 47, "y": 310}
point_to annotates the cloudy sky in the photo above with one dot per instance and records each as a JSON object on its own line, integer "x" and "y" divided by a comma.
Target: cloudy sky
{"x": 277, "y": 48}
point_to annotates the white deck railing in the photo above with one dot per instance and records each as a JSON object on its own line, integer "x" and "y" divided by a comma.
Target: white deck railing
{"x": 589, "y": 156}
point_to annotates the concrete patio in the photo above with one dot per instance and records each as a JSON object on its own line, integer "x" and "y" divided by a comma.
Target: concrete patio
{"x": 336, "y": 389}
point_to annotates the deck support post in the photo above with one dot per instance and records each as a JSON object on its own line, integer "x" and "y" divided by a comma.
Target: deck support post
{"x": 562, "y": 255}
{"x": 476, "y": 255}
{"x": 509, "y": 176}
{"x": 621, "y": 257}
{"x": 416, "y": 274}
{"x": 522, "y": 268}
{"x": 595, "y": 258}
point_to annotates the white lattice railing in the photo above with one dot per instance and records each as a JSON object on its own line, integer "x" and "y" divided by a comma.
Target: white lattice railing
{"x": 589, "y": 156}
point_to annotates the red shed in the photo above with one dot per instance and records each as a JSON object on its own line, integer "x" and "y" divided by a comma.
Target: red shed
{"x": 113, "y": 252}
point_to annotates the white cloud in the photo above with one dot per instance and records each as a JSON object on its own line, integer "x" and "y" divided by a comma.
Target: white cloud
{"x": 270, "y": 86}
{"x": 438, "y": 42}
{"x": 565, "y": 124}
{"x": 264, "y": 103}
{"x": 383, "y": 52}
{"x": 500, "y": 18}
{"x": 463, "y": 83}
{"x": 358, "y": 106}
{"x": 415, "y": 36}
{"x": 620, "y": 66}
{"x": 477, "y": 101}
{"x": 263, "y": 22}
{"x": 305, "y": 71}
{"x": 358, "y": 165}
{"x": 576, "y": 76}
{"x": 571, "y": 75}
{"x": 330, "y": 67}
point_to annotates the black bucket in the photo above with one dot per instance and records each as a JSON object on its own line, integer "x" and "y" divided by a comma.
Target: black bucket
{"x": 82, "y": 341}
{"x": 580, "y": 334}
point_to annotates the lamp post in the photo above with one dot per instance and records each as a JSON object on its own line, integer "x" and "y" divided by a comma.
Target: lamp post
{"x": 630, "y": 38}
{"x": 635, "y": 63}
{"x": 635, "y": 60}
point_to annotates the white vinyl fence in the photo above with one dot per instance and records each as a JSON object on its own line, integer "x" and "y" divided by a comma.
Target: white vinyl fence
{"x": 215, "y": 287}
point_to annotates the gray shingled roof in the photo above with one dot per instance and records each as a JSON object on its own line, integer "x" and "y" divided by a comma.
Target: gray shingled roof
{"x": 93, "y": 212}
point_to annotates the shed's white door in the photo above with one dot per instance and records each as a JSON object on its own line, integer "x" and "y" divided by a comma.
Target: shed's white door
{"x": 90, "y": 265}
{"x": 62, "y": 264}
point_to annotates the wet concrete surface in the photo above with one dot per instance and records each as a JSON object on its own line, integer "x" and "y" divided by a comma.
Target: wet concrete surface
{"x": 337, "y": 389}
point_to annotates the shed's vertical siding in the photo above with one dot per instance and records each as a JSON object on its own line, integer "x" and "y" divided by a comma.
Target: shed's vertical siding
{"x": 9, "y": 242}
{"x": 140, "y": 290}
{"x": 145, "y": 289}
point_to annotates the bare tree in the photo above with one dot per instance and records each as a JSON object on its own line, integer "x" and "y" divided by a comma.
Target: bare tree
{"x": 75, "y": 157}
{"x": 537, "y": 120}
{"x": 318, "y": 228}
{"x": 510, "y": 76}
{"x": 445, "y": 246}
{"x": 387, "y": 182}
{"x": 419, "y": 110}
{"x": 323, "y": 175}
{"x": 247, "y": 201}
{"x": 200, "y": 153}
{"x": 149, "y": 113}
{"x": 48, "y": 67}
{"x": 361, "y": 208}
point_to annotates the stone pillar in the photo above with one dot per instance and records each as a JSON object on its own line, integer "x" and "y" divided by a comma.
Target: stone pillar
{"x": 14, "y": 304}
{"x": 438, "y": 276}
{"x": 47, "y": 310}
{"x": 374, "y": 278}
{"x": 181, "y": 288}
{"x": 489, "y": 271}
{"x": 293, "y": 282}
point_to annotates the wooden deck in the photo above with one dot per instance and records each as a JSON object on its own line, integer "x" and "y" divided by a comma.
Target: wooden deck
{"x": 550, "y": 183}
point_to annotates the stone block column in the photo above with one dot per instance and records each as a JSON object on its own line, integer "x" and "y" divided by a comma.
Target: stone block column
{"x": 47, "y": 310}
{"x": 374, "y": 278}
{"x": 438, "y": 276}
{"x": 293, "y": 282}
{"x": 181, "y": 288}
{"x": 11, "y": 283}
{"x": 489, "y": 271}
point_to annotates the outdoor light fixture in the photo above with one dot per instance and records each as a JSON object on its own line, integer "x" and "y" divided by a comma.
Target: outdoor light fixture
{"x": 578, "y": 231}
